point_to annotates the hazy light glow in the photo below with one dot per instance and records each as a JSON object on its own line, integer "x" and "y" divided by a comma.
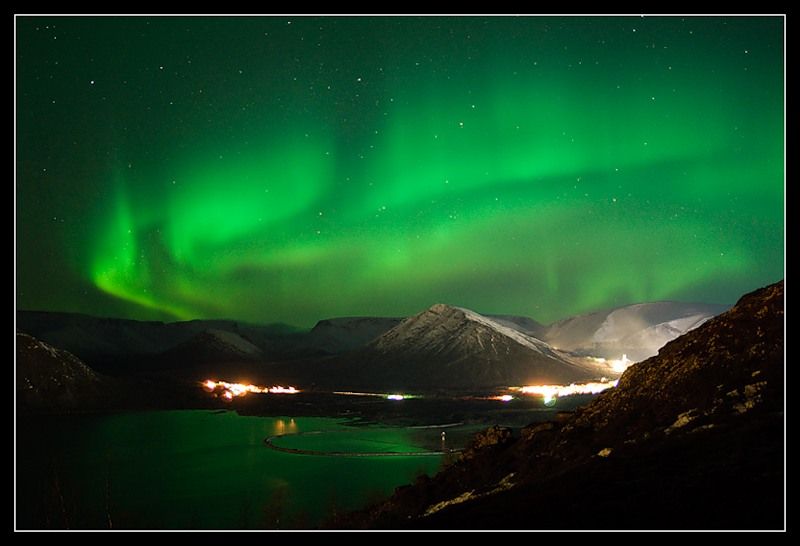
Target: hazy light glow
{"x": 616, "y": 365}
{"x": 540, "y": 166}
{"x": 230, "y": 390}
{"x": 550, "y": 393}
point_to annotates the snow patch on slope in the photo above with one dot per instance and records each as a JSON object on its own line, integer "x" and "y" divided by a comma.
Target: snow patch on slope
{"x": 526, "y": 341}
{"x": 638, "y": 330}
{"x": 234, "y": 341}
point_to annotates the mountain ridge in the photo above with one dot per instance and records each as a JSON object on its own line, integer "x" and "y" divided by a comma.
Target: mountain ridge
{"x": 449, "y": 347}
{"x": 424, "y": 345}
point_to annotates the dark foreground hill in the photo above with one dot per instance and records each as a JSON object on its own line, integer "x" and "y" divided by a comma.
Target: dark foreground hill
{"x": 54, "y": 381}
{"x": 52, "y": 378}
{"x": 689, "y": 439}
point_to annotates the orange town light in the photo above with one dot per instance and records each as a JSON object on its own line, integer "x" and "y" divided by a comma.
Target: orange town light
{"x": 240, "y": 389}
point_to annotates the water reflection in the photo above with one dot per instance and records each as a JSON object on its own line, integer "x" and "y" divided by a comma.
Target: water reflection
{"x": 213, "y": 471}
{"x": 282, "y": 426}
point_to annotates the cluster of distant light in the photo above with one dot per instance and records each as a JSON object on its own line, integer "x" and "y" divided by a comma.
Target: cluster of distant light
{"x": 378, "y": 394}
{"x": 231, "y": 390}
{"x": 551, "y": 392}
{"x": 617, "y": 365}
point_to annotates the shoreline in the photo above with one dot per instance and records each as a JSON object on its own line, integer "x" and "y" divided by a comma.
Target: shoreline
{"x": 269, "y": 442}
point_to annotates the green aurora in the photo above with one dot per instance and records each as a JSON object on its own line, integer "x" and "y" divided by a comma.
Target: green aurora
{"x": 295, "y": 168}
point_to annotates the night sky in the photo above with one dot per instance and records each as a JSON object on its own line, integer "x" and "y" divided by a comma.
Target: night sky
{"x": 295, "y": 168}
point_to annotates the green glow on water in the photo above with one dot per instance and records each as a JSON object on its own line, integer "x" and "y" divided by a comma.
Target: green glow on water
{"x": 200, "y": 469}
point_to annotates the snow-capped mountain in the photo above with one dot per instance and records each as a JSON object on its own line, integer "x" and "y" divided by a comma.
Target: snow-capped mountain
{"x": 638, "y": 330}
{"x": 451, "y": 347}
{"x": 444, "y": 346}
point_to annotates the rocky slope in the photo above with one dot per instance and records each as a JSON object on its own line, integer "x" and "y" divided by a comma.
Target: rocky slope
{"x": 53, "y": 381}
{"x": 691, "y": 438}
{"x": 51, "y": 378}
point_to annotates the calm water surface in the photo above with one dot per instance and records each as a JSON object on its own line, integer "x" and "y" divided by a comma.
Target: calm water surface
{"x": 205, "y": 470}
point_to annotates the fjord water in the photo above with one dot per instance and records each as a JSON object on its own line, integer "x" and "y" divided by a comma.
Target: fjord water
{"x": 203, "y": 470}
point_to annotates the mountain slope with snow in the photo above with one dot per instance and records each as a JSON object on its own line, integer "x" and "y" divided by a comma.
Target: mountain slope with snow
{"x": 214, "y": 345}
{"x": 454, "y": 348}
{"x": 638, "y": 330}
{"x": 526, "y": 325}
